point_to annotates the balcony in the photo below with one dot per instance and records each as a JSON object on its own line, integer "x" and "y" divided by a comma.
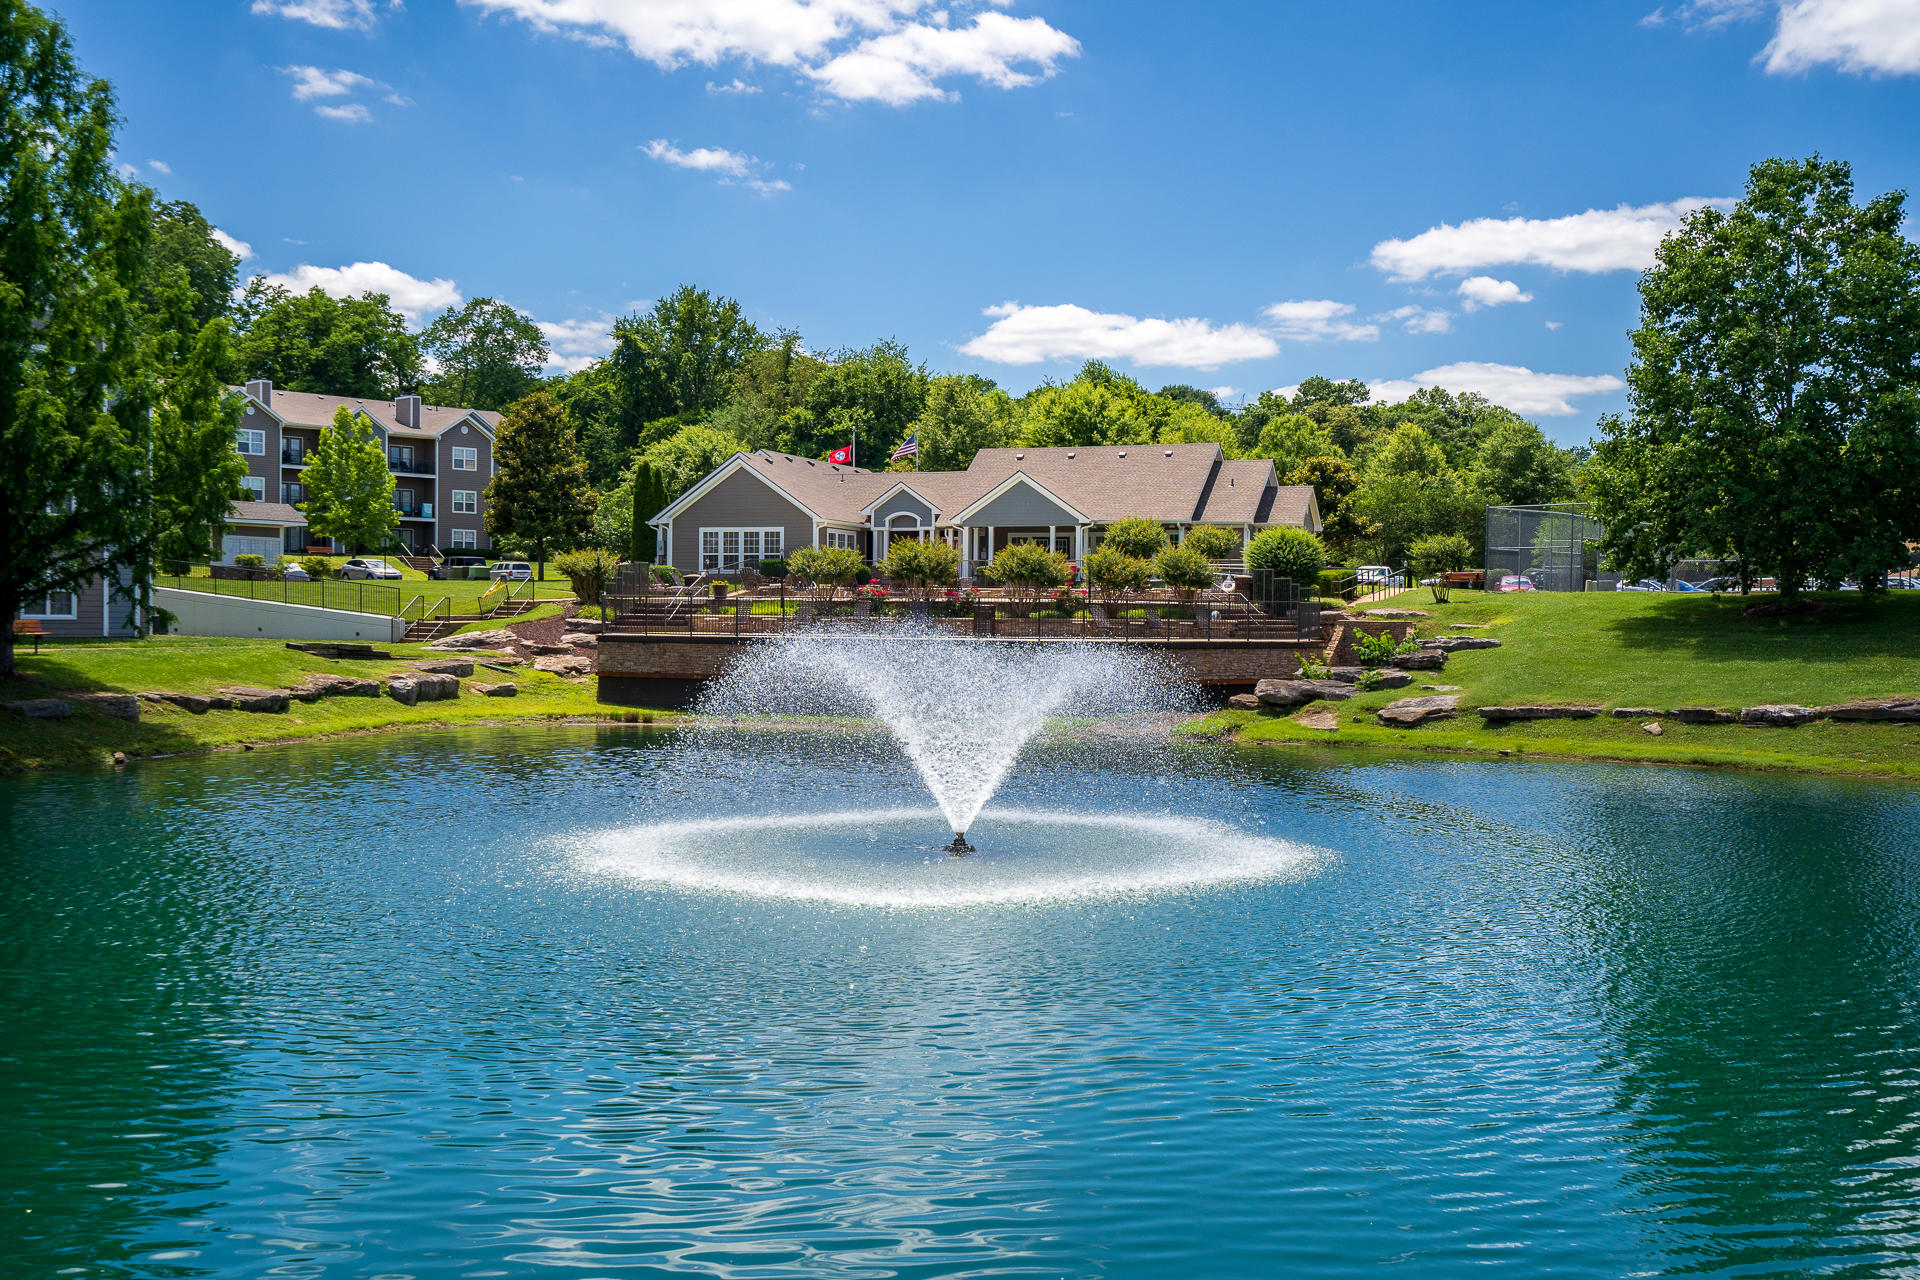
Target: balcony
{"x": 293, "y": 494}
{"x": 408, "y": 467}
{"x": 413, "y": 510}
{"x": 293, "y": 456}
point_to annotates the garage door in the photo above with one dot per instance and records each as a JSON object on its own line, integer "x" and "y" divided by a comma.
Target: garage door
{"x": 235, "y": 544}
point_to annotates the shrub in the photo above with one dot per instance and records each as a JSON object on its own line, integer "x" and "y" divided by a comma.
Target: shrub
{"x": 1286, "y": 552}
{"x": 249, "y": 562}
{"x": 1375, "y": 651}
{"x": 1333, "y": 582}
{"x": 824, "y": 570}
{"x": 1184, "y": 569}
{"x": 589, "y": 569}
{"x": 1136, "y": 537}
{"x": 1441, "y": 553}
{"x": 1114, "y": 572}
{"x": 772, "y": 568}
{"x": 1215, "y": 542}
{"x": 1029, "y": 570}
{"x": 912, "y": 563}
{"x": 317, "y": 567}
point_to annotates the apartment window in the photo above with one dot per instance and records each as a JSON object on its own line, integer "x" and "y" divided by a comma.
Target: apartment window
{"x": 840, "y": 539}
{"x": 731, "y": 548}
{"x": 463, "y": 539}
{"x": 55, "y": 604}
{"x": 465, "y": 459}
{"x": 250, "y": 441}
{"x": 256, "y": 487}
{"x": 400, "y": 456}
{"x": 465, "y": 503}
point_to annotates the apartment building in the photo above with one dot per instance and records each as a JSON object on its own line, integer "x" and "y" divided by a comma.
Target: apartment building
{"x": 441, "y": 458}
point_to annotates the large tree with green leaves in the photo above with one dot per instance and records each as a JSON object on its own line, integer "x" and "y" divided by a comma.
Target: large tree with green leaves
{"x": 349, "y": 485}
{"x": 75, "y": 391}
{"x": 877, "y": 390}
{"x": 313, "y": 341}
{"x": 488, "y": 353}
{"x": 539, "y": 493}
{"x": 671, "y": 366}
{"x": 963, "y": 415}
{"x": 1774, "y": 390}
{"x": 184, "y": 245}
{"x": 683, "y": 458}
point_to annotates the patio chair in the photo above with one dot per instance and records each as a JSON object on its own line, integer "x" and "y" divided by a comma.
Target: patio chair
{"x": 863, "y": 608}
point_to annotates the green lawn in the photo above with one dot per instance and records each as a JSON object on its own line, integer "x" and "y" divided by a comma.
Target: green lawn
{"x": 187, "y": 664}
{"x": 377, "y": 597}
{"x": 1632, "y": 649}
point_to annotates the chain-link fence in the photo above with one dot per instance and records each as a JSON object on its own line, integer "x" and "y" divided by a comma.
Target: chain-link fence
{"x": 1552, "y": 546}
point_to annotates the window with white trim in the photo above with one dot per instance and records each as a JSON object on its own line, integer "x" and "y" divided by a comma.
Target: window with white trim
{"x": 256, "y": 487}
{"x": 249, "y": 441}
{"x": 723, "y": 549}
{"x": 465, "y": 459}
{"x": 464, "y": 539}
{"x": 464, "y": 502}
{"x": 840, "y": 539}
{"x": 54, "y": 605}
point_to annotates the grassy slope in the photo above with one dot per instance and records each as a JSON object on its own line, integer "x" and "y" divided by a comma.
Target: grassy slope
{"x": 376, "y": 597}
{"x": 1631, "y": 649}
{"x": 185, "y": 664}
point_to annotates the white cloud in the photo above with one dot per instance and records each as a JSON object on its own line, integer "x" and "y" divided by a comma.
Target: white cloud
{"x": 1312, "y": 320}
{"x": 575, "y": 344}
{"x": 313, "y": 82}
{"x": 906, "y": 65}
{"x": 1622, "y": 239}
{"x": 766, "y": 188}
{"x": 1224, "y": 393}
{"x": 1553, "y": 325}
{"x": 411, "y": 297}
{"x": 1420, "y": 319}
{"x": 700, "y": 159}
{"x": 737, "y": 85}
{"x": 1484, "y": 291}
{"x": 1518, "y": 388}
{"x": 1030, "y": 335}
{"x": 1878, "y": 37}
{"x": 336, "y": 15}
{"x": 867, "y": 50}
{"x": 159, "y": 166}
{"x": 352, "y": 113}
{"x": 238, "y": 248}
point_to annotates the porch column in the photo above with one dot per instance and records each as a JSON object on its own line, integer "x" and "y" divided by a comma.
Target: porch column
{"x": 990, "y": 529}
{"x": 1079, "y": 543}
{"x": 1050, "y": 529}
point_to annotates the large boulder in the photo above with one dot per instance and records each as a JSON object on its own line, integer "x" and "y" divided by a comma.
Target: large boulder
{"x": 1391, "y": 678}
{"x": 1453, "y": 644}
{"x": 1778, "y": 715}
{"x": 1346, "y": 675}
{"x": 192, "y": 703}
{"x": 587, "y": 625}
{"x": 1284, "y": 694}
{"x": 505, "y": 689}
{"x": 1879, "y": 710}
{"x": 41, "y": 708}
{"x": 564, "y": 664}
{"x": 1637, "y": 713}
{"x": 474, "y": 640}
{"x": 1408, "y": 712}
{"x": 1535, "y": 711}
{"x": 446, "y": 667}
{"x": 1422, "y": 660}
{"x": 121, "y": 706}
{"x": 1244, "y": 702}
{"x": 580, "y": 640}
{"x": 261, "y": 701}
{"x": 1702, "y": 715}
{"x": 1323, "y": 720}
{"x": 330, "y": 686}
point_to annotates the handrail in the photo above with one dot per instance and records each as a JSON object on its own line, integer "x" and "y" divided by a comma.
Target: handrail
{"x": 417, "y": 600}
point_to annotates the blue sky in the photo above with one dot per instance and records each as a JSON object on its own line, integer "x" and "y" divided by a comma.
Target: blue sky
{"x": 1230, "y": 195}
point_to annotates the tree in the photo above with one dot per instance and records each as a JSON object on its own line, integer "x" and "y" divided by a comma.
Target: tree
{"x": 1188, "y": 423}
{"x": 1136, "y": 536}
{"x": 1398, "y": 509}
{"x": 768, "y": 385}
{"x": 1099, "y": 407}
{"x": 1515, "y": 465}
{"x": 1775, "y": 413}
{"x": 335, "y": 346}
{"x": 539, "y": 493}
{"x": 74, "y": 390}
{"x": 961, "y": 418}
{"x": 1113, "y": 572}
{"x": 1324, "y": 393}
{"x": 1184, "y": 569}
{"x": 349, "y": 486}
{"x": 684, "y": 458}
{"x": 1028, "y": 569}
{"x": 1181, "y": 393}
{"x": 649, "y": 498}
{"x": 1407, "y": 450}
{"x": 1290, "y": 439}
{"x": 877, "y": 388}
{"x": 1287, "y": 552}
{"x": 1334, "y": 483}
{"x": 822, "y": 571}
{"x": 183, "y": 242}
{"x": 670, "y": 367}
{"x": 1215, "y": 542}
{"x": 489, "y": 355}
{"x": 919, "y": 565}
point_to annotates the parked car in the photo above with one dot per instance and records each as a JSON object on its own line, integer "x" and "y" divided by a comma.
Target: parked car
{"x": 368, "y": 567}
{"x": 1645, "y": 584}
{"x": 511, "y": 571}
{"x": 1514, "y": 582}
{"x": 293, "y": 573}
{"x": 1373, "y": 574}
{"x": 1707, "y": 584}
{"x": 1903, "y": 584}
{"x": 455, "y": 568}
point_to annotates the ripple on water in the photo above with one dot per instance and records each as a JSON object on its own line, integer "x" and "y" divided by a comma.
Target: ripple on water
{"x": 896, "y": 859}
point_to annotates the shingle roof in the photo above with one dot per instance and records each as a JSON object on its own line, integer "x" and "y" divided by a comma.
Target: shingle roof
{"x": 829, "y": 491}
{"x": 1289, "y": 504}
{"x": 306, "y": 409}
{"x": 264, "y": 513}
{"x": 1235, "y": 494}
{"x": 1111, "y": 482}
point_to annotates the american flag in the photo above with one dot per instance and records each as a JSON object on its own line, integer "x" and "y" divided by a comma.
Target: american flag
{"x": 910, "y": 447}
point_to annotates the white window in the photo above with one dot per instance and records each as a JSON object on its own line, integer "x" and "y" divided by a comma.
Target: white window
{"x": 55, "y": 604}
{"x": 248, "y": 440}
{"x": 255, "y": 486}
{"x": 724, "y": 549}
{"x": 464, "y": 538}
{"x": 464, "y": 503}
{"x": 840, "y": 539}
{"x": 465, "y": 459}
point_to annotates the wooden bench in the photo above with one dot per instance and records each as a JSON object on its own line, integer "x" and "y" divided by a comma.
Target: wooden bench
{"x": 1473, "y": 579}
{"x": 23, "y": 627}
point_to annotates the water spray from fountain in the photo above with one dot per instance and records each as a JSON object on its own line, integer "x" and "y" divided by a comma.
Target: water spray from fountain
{"x": 961, "y": 709}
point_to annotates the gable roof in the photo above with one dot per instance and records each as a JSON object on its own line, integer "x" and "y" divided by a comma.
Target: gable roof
{"x": 1112, "y": 482}
{"x": 307, "y": 409}
{"x": 264, "y": 513}
{"x": 1017, "y": 480}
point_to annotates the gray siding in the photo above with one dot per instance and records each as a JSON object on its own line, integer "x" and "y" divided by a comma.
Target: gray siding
{"x": 740, "y": 501}
{"x": 265, "y": 466}
{"x": 1022, "y": 506}
{"x": 447, "y": 480}
{"x": 901, "y": 503}
{"x": 96, "y": 615}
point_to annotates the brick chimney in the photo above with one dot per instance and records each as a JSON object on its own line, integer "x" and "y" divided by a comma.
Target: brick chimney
{"x": 406, "y": 410}
{"x": 261, "y": 389}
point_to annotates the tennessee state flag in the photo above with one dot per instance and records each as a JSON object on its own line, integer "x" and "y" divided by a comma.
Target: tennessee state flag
{"x": 842, "y": 457}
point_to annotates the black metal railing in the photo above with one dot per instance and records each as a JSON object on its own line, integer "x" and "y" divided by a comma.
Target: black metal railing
{"x": 406, "y": 466}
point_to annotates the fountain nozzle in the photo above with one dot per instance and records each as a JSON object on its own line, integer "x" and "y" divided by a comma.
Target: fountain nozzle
{"x": 959, "y": 848}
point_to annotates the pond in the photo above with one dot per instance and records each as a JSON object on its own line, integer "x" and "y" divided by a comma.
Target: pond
{"x": 499, "y": 1004}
